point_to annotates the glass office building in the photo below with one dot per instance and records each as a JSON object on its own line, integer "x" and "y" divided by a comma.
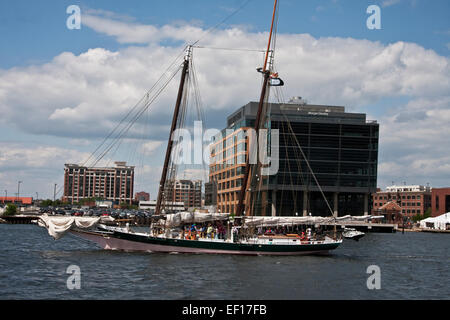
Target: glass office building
{"x": 342, "y": 152}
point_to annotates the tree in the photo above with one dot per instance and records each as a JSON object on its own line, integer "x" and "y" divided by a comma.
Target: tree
{"x": 419, "y": 217}
{"x": 125, "y": 205}
{"x": 46, "y": 203}
{"x": 11, "y": 210}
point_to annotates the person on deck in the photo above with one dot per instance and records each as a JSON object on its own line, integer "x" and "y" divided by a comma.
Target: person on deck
{"x": 209, "y": 231}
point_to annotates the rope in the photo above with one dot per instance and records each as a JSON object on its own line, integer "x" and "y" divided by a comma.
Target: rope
{"x": 223, "y": 21}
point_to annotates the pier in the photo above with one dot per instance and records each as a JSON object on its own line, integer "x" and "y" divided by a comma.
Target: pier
{"x": 19, "y": 219}
{"x": 369, "y": 227}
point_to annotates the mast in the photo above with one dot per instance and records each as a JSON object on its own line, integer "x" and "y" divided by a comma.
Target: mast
{"x": 173, "y": 128}
{"x": 266, "y": 74}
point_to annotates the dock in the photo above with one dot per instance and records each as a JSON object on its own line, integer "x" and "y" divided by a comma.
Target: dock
{"x": 434, "y": 230}
{"x": 367, "y": 226}
{"x": 20, "y": 219}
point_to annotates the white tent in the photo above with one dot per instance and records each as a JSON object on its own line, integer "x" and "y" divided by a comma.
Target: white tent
{"x": 439, "y": 222}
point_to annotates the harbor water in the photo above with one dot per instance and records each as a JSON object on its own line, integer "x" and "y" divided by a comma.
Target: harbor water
{"x": 411, "y": 266}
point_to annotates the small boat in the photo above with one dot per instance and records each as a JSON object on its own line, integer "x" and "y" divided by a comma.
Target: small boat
{"x": 351, "y": 233}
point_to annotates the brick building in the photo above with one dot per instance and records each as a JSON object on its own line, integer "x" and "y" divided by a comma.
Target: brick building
{"x": 185, "y": 191}
{"x": 411, "y": 199}
{"x": 108, "y": 183}
{"x": 440, "y": 201}
{"x": 142, "y": 196}
{"x": 16, "y": 200}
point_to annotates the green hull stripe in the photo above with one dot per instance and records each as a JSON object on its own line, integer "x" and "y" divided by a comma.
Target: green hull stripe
{"x": 225, "y": 246}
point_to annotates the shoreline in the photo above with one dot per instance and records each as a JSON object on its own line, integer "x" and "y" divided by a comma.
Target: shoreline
{"x": 423, "y": 230}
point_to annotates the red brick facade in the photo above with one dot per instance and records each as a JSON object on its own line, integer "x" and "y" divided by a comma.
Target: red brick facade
{"x": 142, "y": 196}
{"x": 411, "y": 202}
{"x": 440, "y": 201}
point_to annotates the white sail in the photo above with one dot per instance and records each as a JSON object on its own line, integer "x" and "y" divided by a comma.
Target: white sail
{"x": 59, "y": 226}
{"x": 181, "y": 218}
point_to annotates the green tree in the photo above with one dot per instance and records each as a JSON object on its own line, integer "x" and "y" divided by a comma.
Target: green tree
{"x": 11, "y": 210}
{"x": 125, "y": 205}
{"x": 46, "y": 203}
{"x": 419, "y": 217}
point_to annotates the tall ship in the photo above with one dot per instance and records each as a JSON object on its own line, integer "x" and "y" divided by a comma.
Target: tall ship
{"x": 242, "y": 233}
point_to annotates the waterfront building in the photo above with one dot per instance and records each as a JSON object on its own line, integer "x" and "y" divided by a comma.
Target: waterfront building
{"x": 440, "y": 201}
{"x": 186, "y": 191}
{"x": 107, "y": 183}
{"x": 412, "y": 200}
{"x": 16, "y": 200}
{"x": 391, "y": 211}
{"x": 142, "y": 196}
{"x": 341, "y": 147}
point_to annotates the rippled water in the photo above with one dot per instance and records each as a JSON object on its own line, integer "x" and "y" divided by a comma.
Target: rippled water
{"x": 33, "y": 266}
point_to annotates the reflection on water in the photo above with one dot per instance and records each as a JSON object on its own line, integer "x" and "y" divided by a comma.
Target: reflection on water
{"x": 33, "y": 266}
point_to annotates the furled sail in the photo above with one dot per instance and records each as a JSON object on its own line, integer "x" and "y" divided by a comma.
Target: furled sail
{"x": 59, "y": 226}
{"x": 182, "y": 218}
{"x": 286, "y": 221}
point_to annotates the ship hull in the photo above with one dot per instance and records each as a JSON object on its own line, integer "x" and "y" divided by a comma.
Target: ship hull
{"x": 142, "y": 243}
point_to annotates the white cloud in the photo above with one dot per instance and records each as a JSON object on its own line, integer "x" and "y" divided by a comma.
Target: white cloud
{"x": 38, "y": 167}
{"x": 148, "y": 148}
{"x": 126, "y": 32}
{"x": 79, "y": 142}
{"x": 88, "y": 94}
{"x": 388, "y": 3}
{"x": 14, "y": 156}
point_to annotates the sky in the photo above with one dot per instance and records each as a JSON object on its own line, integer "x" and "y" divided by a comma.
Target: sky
{"x": 63, "y": 90}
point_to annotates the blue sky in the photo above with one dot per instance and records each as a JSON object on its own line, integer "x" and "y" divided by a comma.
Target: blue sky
{"x": 410, "y": 81}
{"x": 34, "y": 31}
